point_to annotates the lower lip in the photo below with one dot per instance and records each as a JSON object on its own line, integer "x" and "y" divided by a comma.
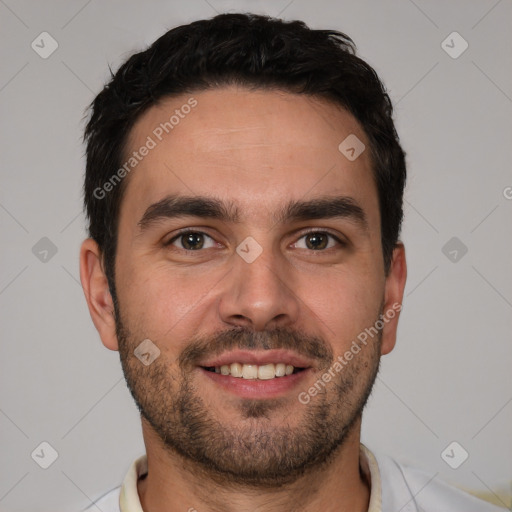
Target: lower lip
{"x": 256, "y": 388}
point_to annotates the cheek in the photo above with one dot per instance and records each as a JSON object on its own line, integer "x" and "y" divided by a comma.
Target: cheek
{"x": 344, "y": 304}
{"x": 164, "y": 303}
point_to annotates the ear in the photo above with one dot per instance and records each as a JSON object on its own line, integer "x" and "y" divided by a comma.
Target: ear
{"x": 97, "y": 293}
{"x": 393, "y": 296}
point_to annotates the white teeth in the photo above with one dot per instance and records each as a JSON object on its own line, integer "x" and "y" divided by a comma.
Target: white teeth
{"x": 254, "y": 371}
{"x": 249, "y": 371}
{"x": 280, "y": 370}
{"x": 267, "y": 371}
{"x": 236, "y": 370}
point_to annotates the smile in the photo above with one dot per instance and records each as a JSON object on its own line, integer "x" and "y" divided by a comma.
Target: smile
{"x": 258, "y": 374}
{"x": 254, "y": 371}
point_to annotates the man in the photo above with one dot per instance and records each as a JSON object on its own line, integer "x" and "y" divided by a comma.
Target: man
{"x": 244, "y": 191}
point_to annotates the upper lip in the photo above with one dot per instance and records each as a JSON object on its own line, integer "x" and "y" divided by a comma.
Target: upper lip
{"x": 259, "y": 358}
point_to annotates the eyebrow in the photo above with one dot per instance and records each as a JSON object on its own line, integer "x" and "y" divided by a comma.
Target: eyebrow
{"x": 325, "y": 207}
{"x": 189, "y": 206}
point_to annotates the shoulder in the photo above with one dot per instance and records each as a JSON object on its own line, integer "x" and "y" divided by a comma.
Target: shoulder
{"x": 107, "y": 503}
{"x": 413, "y": 490}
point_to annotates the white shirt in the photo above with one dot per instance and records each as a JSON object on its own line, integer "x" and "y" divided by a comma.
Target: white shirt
{"x": 394, "y": 488}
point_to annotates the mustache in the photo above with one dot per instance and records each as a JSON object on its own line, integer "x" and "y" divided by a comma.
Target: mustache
{"x": 312, "y": 347}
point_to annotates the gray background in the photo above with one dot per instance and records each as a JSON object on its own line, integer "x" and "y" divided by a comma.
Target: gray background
{"x": 449, "y": 377}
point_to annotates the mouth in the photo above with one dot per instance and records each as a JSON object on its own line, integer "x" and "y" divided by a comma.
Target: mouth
{"x": 254, "y": 371}
{"x": 262, "y": 374}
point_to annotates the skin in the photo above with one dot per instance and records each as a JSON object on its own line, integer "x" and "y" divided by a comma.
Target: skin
{"x": 258, "y": 149}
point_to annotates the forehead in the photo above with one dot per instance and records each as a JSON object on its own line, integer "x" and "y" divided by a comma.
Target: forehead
{"x": 248, "y": 146}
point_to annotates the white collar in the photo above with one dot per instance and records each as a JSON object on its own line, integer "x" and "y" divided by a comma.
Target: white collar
{"x": 129, "y": 500}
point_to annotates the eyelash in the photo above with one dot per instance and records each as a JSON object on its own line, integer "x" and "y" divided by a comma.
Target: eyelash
{"x": 340, "y": 242}
{"x": 304, "y": 234}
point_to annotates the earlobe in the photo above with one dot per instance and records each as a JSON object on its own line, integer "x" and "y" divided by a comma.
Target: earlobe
{"x": 97, "y": 293}
{"x": 394, "y": 292}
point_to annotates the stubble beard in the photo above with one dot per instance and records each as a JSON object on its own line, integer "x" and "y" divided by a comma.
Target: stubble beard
{"x": 254, "y": 452}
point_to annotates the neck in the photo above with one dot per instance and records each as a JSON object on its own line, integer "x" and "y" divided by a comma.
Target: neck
{"x": 338, "y": 486}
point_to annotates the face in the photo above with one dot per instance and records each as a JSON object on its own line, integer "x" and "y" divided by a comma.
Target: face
{"x": 249, "y": 254}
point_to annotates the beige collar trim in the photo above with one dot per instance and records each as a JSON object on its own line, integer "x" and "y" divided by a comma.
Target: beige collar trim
{"x": 129, "y": 500}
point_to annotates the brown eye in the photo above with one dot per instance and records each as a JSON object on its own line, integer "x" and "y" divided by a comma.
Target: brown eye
{"x": 192, "y": 241}
{"x": 317, "y": 241}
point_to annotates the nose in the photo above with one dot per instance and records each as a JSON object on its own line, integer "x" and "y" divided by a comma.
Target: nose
{"x": 259, "y": 294}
